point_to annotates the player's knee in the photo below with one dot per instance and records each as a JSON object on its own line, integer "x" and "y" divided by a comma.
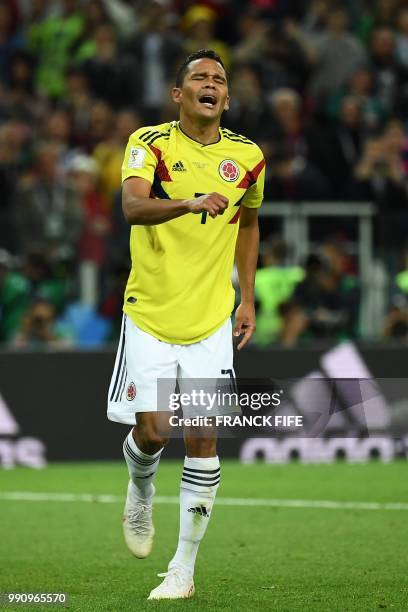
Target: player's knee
{"x": 150, "y": 437}
{"x": 157, "y": 439}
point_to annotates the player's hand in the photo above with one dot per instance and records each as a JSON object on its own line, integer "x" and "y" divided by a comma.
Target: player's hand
{"x": 212, "y": 203}
{"x": 245, "y": 323}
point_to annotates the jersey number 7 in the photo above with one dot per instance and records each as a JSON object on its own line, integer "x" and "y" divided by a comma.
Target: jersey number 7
{"x": 204, "y": 214}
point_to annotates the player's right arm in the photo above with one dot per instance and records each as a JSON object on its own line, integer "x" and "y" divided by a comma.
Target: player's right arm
{"x": 140, "y": 209}
{"x": 139, "y": 169}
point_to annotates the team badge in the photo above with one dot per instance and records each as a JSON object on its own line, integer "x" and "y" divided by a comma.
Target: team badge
{"x": 228, "y": 170}
{"x": 131, "y": 392}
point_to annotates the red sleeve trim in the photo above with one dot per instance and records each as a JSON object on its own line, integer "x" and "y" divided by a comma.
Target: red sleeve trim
{"x": 161, "y": 169}
{"x": 251, "y": 176}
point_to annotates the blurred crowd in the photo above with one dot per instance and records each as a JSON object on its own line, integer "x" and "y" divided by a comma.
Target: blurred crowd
{"x": 320, "y": 85}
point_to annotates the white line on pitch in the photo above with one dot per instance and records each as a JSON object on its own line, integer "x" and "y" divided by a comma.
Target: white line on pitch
{"x": 221, "y": 501}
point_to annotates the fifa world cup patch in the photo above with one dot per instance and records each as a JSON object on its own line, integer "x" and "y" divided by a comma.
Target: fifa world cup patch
{"x": 228, "y": 170}
{"x": 131, "y": 392}
{"x": 136, "y": 157}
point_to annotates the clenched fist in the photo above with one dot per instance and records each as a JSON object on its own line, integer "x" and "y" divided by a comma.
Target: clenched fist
{"x": 212, "y": 203}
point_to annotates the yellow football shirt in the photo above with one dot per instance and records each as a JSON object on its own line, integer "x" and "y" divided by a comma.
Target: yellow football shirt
{"x": 179, "y": 288}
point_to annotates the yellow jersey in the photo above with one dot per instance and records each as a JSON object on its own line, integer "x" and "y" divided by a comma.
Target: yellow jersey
{"x": 179, "y": 288}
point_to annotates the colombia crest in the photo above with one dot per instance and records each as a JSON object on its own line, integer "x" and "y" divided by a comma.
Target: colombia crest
{"x": 228, "y": 170}
{"x": 131, "y": 392}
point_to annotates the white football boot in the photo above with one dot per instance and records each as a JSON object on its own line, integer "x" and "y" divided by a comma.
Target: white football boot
{"x": 177, "y": 584}
{"x": 137, "y": 524}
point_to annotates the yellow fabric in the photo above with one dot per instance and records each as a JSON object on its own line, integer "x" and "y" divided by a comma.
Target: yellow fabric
{"x": 181, "y": 269}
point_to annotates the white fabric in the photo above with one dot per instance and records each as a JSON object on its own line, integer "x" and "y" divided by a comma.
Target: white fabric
{"x": 195, "y": 511}
{"x": 142, "y": 468}
{"x": 142, "y": 359}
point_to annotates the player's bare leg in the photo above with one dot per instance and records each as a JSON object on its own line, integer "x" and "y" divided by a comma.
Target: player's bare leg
{"x": 198, "y": 487}
{"x": 142, "y": 449}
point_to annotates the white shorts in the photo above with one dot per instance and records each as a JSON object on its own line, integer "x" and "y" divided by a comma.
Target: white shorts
{"x": 142, "y": 359}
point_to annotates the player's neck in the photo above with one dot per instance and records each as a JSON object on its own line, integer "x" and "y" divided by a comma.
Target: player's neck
{"x": 203, "y": 133}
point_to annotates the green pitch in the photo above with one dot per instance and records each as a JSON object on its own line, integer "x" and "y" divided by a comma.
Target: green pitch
{"x": 253, "y": 557}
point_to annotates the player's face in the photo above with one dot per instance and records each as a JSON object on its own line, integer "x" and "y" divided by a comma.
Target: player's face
{"x": 204, "y": 92}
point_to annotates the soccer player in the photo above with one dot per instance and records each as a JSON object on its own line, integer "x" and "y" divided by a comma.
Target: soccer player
{"x": 191, "y": 193}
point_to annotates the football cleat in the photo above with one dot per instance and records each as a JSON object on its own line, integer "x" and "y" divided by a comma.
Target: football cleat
{"x": 137, "y": 524}
{"x": 177, "y": 584}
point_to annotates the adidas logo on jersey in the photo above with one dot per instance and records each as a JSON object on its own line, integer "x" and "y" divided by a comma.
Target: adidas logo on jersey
{"x": 178, "y": 167}
{"x": 202, "y": 510}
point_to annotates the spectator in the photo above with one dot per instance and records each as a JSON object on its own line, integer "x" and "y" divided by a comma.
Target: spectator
{"x": 379, "y": 176}
{"x": 315, "y": 16}
{"x": 19, "y": 100}
{"x": 39, "y": 329}
{"x": 46, "y": 277}
{"x": 123, "y": 14}
{"x": 339, "y": 55}
{"x": 52, "y": 41}
{"x": 20, "y": 288}
{"x": 109, "y": 70}
{"x": 286, "y": 61}
{"x": 253, "y": 39}
{"x": 109, "y": 153}
{"x": 58, "y": 128}
{"x": 336, "y": 149}
{"x": 58, "y": 131}
{"x": 35, "y": 12}
{"x": 402, "y": 37}
{"x": 391, "y": 77}
{"x": 248, "y": 113}
{"x": 95, "y": 15}
{"x": 78, "y": 102}
{"x": 158, "y": 50}
{"x": 274, "y": 285}
{"x": 96, "y": 223}
{"x": 292, "y": 175}
{"x": 322, "y": 305}
{"x": 100, "y": 126}
{"x": 15, "y": 156}
{"x": 10, "y": 41}
{"x": 380, "y": 13}
{"x": 361, "y": 87}
{"x": 14, "y": 297}
{"x": 199, "y": 25}
{"x": 396, "y": 322}
{"x": 48, "y": 210}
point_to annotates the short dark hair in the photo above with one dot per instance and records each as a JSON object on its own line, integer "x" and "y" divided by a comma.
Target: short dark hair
{"x": 203, "y": 53}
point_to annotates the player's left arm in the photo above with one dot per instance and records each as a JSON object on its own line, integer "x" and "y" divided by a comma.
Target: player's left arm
{"x": 247, "y": 248}
{"x": 246, "y": 258}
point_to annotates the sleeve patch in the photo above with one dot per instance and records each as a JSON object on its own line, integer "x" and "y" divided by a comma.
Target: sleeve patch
{"x": 136, "y": 157}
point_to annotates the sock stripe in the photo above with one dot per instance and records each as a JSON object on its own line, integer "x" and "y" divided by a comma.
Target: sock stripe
{"x": 132, "y": 455}
{"x": 200, "y": 479}
{"x": 201, "y": 484}
{"x": 136, "y": 459}
{"x": 195, "y": 477}
{"x": 202, "y": 471}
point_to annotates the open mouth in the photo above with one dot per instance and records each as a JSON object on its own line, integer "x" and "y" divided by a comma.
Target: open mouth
{"x": 208, "y": 100}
